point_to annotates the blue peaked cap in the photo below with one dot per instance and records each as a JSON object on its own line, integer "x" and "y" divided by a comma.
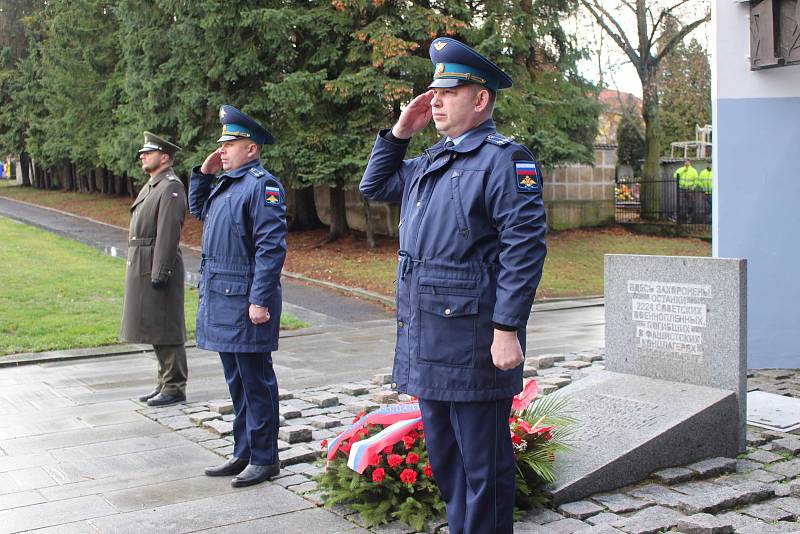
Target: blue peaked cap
{"x": 457, "y": 64}
{"x": 238, "y": 125}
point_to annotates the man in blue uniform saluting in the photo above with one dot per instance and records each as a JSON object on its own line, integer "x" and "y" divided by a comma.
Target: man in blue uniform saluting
{"x": 472, "y": 246}
{"x": 244, "y": 247}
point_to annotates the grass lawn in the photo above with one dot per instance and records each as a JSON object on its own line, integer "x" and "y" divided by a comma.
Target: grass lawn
{"x": 59, "y": 294}
{"x": 574, "y": 265}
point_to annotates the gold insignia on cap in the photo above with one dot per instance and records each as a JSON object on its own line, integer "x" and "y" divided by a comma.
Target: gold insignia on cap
{"x": 439, "y": 67}
{"x": 438, "y": 45}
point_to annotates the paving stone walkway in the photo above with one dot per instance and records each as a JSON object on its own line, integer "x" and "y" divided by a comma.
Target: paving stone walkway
{"x": 754, "y": 494}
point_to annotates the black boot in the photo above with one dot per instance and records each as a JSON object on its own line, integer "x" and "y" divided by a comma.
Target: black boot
{"x": 255, "y": 474}
{"x": 147, "y": 397}
{"x": 163, "y": 399}
{"x": 234, "y": 466}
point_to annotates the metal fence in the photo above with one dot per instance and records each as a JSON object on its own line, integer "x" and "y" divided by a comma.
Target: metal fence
{"x": 662, "y": 203}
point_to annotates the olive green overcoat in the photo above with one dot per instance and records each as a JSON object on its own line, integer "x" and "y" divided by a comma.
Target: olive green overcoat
{"x": 155, "y": 314}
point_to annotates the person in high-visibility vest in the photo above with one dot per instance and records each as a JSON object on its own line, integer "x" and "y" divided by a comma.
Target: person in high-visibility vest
{"x": 704, "y": 181}
{"x": 687, "y": 184}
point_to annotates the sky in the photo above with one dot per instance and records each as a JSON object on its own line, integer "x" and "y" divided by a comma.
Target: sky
{"x": 617, "y": 71}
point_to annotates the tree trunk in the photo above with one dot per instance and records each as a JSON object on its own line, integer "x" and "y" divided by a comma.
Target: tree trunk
{"x": 338, "y": 227}
{"x": 370, "y": 223}
{"x": 129, "y": 185}
{"x": 120, "y": 185}
{"x": 304, "y": 211}
{"x": 25, "y": 165}
{"x": 650, "y": 189}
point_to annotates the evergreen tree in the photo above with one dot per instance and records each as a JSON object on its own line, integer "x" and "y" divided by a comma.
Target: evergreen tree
{"x": 13, "y": 52}
{"x": 684, "y": 92}
{"x": 630, "y": 141}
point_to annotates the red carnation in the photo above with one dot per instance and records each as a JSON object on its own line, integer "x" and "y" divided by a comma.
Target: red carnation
{"x": 427, "y": 470}
{"x": 394, "y": 460}
{"x": 408, "y": 441}
{"x": 409, "y": 476}
{"x": 412, "y": 458}
{"x": 345, "y": 448}
{"x": 323, "y": 443}
{"x": 375, "y": 459}
{"x": 378, "y": 475}
{"x": 388, "y": 449}
{"x": 419, "y": 425}
{"x": 413, "y": 434}
{"x": 516, "y": 440}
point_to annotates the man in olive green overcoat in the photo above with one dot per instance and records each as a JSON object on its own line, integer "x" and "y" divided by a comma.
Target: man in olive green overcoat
{"x": 153, "y": 307}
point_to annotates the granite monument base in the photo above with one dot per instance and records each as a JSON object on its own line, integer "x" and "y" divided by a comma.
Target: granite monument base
{"x": 629, "y": 426}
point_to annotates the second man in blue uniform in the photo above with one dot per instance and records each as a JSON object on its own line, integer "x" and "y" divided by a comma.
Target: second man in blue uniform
{"x": 472, "y": 240}
{"x": 244, "y": 247}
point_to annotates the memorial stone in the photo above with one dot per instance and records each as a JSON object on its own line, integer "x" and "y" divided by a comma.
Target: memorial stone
{"x": 681, "y": 319}
{"x": 674, "y": 391}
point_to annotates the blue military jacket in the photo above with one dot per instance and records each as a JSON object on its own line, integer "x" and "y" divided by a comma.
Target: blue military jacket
{"x": 244, "y": 247}
{"x": 472, "y": 246}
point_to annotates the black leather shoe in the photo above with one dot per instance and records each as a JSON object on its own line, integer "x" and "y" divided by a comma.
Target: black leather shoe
{"x": 163, "y": 399}
{"x": 145, "y": 398}
{"x": 232, "y": 467}
{"x": 255, "y": 474}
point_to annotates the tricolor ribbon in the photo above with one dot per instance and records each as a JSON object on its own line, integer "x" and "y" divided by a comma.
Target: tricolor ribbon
{"x": 365, "y": 449}
{"x": 387, "y": 415}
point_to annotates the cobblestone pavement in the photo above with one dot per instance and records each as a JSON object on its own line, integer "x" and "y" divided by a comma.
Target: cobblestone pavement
{"x": 757, "y": 493}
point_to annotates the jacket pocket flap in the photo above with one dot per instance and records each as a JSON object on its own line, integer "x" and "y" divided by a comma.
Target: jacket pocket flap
{"x": 227, "y": 287}
{"x": 448, "y": 282}
{"x": 448, "y": 305}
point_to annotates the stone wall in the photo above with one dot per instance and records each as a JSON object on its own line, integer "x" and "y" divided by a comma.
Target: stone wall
{"x": 386, "y": 216}
{"x": 578, "y": 196}
{"x": 575, "y": 196}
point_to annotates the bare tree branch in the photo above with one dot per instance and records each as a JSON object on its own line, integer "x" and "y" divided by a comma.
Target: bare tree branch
{"x": 672, "y": 43}
{"x": 662, "y": 16}
{"x": 620, "y": 38}
{"x": 629, "y": 6}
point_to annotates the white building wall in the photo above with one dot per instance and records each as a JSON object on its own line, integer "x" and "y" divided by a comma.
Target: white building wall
{"x": 756, "y": 116}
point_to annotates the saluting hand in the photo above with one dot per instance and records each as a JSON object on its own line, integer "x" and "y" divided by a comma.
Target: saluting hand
{"x": 415, "y": 117}
{"x": 212, "y": 164}
{"x": 506, "y": 351}
{"x": 258, "y": 315}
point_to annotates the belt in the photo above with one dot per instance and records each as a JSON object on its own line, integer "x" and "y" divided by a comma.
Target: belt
{"x": 407, "y": 263}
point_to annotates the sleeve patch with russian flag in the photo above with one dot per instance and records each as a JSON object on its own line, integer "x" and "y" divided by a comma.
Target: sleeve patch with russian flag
{"x": 272, "y": 196}
{"x": 528, "y": 178}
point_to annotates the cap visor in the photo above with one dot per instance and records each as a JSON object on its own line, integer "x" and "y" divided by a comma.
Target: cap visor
{"x": 143, "y": 150}
{"x": 443, "y": 83}
{"x": 230, "y": 138}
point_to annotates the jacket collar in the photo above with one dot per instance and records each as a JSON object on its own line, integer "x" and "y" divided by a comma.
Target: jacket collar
{"x": 238, "y": 172}
{"x": 471, "y": 141}
{"x": 159, "y": 177}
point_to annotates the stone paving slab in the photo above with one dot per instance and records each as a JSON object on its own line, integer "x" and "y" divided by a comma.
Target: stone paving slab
{"x": 313, "y": 521}
{"x": 262, "y": 501}
{"x": 162, "y": 493}
{"x": 152, "y": 479}
{"x": 49, "y": 513}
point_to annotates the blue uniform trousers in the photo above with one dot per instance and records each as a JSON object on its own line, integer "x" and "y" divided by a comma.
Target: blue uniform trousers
{"x": 469, "y": 446}
{"x": 254, "y": 391}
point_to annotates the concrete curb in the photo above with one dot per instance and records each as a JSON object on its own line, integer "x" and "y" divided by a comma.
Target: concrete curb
{"x": 62, "y": 212}
{"x": 125, "y": 349}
